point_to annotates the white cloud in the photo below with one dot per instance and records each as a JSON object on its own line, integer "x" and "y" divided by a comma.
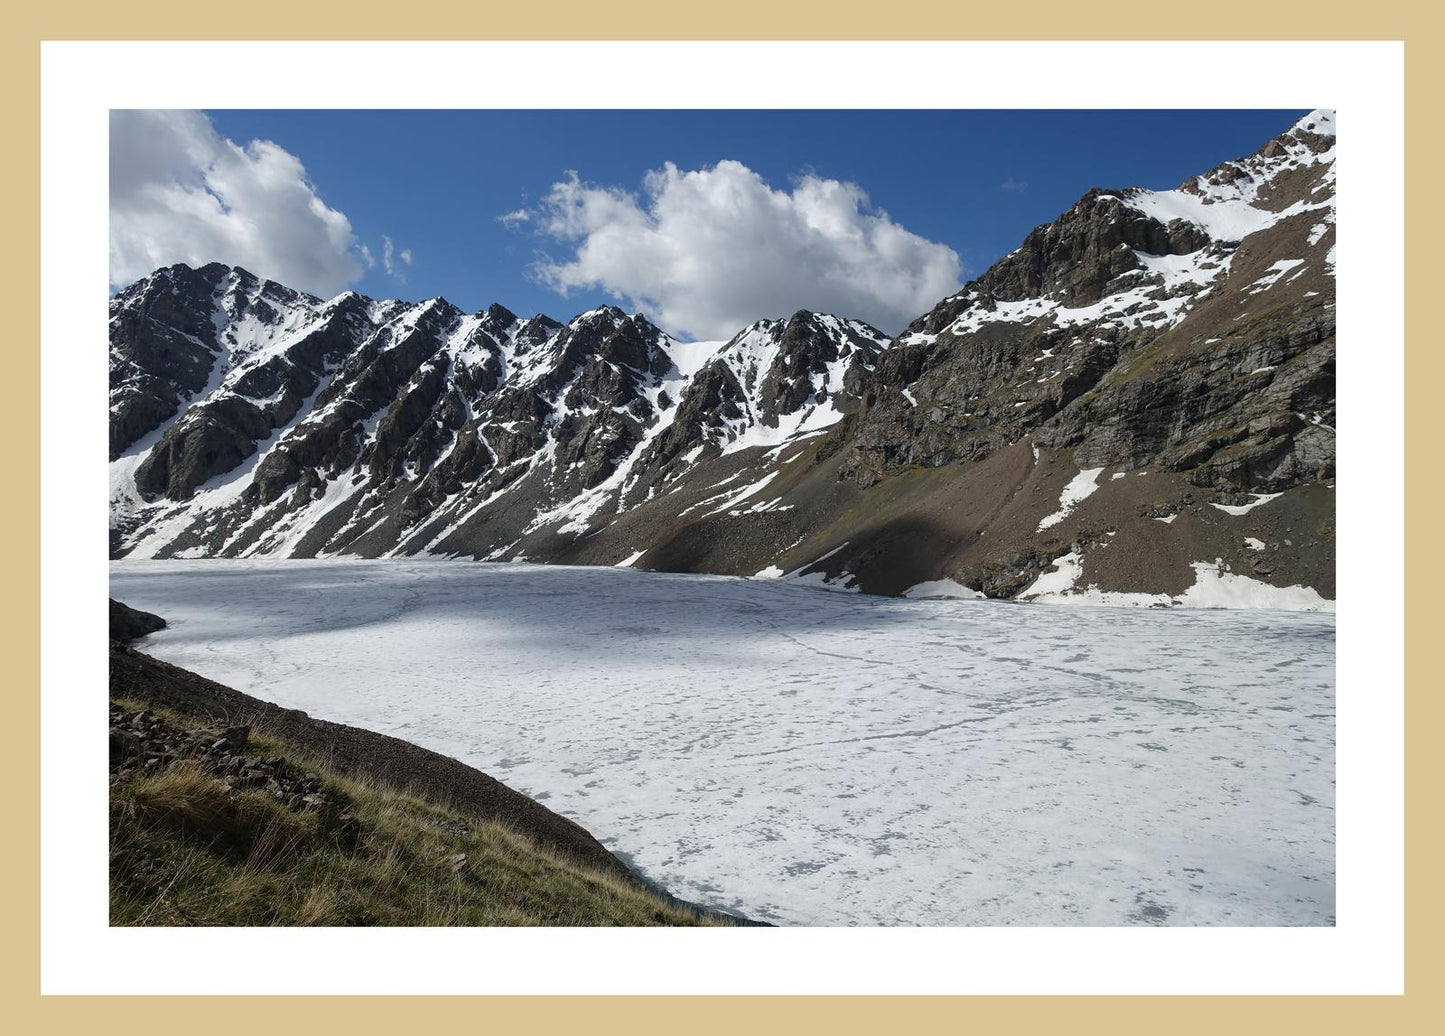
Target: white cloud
{"x": 1014, "y": 186}
{"x": 180, "y": 192}
{"x": 389, "y": 257}
{"x": 707, "y": 252}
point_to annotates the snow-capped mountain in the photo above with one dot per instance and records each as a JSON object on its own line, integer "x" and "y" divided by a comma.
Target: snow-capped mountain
{"x": 1136, "y": 405}
{"x": 248, "y": 419}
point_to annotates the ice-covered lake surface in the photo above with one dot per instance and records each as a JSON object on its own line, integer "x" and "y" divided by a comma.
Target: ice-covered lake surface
{"x": 807, "y": 757}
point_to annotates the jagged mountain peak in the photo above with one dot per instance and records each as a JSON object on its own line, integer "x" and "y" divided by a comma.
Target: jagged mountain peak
{"x": 605, "y": 316}
{"x": 1320, "y": 123}
{"x": 1290, "y": 174}
{"x": 499, "y": 315}
{"x": 1110, "y": 241}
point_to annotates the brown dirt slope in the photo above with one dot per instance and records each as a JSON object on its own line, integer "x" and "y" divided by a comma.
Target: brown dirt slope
{"x": 128, "y": 624}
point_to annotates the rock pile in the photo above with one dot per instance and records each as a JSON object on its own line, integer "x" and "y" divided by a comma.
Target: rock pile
{"x": 142, "y": 743}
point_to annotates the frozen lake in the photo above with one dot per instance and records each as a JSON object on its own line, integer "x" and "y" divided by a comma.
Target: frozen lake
{"x": 808, "y": 757}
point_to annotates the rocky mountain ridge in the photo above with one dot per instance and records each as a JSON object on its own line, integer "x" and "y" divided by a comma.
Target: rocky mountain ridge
{"x": 1186, "y": 335}
{"x": 281, "y": 401}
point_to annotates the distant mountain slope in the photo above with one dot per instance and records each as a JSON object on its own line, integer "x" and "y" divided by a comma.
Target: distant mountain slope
{"x": 1000, "y": 444}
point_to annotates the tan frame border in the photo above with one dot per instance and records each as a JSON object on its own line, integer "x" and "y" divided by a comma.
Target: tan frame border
{"x": 745, "y": 19}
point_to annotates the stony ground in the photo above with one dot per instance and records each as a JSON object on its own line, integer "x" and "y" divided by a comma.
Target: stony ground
{"x": 143, "y": 743}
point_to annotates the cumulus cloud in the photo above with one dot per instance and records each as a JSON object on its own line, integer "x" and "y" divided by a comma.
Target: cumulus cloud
{"x": 180, "y": 192}
{"x": 708, "y": 251}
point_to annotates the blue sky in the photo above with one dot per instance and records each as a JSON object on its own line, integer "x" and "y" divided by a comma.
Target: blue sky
{"x": 437, "y": 184}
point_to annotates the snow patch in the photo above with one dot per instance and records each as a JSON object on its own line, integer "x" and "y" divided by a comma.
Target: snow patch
{"x": 1214, "y": 587}
{"x": 1080, "y": 488}
{"x": 737, "y": 495}
{"x": 1260, "y": 499}
{"x": 942, "y": 588}
{"x": 1272, "y": 275}
{"x": 1060, "y": 579}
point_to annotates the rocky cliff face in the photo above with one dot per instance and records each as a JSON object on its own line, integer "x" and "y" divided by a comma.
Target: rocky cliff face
{"x": 1139, "y": 400}
{"x": 1191, "y": 330}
